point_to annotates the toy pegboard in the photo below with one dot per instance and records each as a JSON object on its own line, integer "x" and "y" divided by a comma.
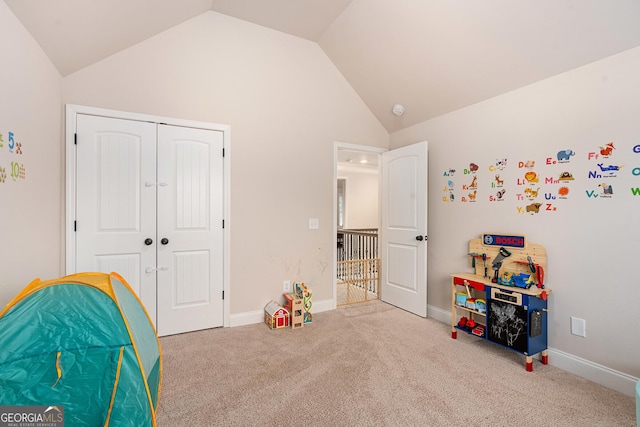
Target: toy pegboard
{"x": 523, "y": 254}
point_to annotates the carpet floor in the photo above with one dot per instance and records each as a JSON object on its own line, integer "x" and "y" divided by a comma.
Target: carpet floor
{"x": 370, "y": 364}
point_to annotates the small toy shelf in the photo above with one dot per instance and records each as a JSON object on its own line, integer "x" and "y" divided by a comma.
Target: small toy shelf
{"x": 504, "y": 300}
{"x": 471, "y": 311}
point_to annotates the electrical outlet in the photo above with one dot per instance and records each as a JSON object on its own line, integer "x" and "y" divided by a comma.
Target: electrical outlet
{"x": 578, "y": 327}
{"x": 286, "y": 286}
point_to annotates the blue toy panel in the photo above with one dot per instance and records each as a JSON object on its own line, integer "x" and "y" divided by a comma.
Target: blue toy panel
{"x": 522, "y": 328}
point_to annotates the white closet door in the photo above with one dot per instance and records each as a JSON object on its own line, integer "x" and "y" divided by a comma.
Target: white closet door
{"x": 190, "y": 229}
{"x": 116, "y": 201}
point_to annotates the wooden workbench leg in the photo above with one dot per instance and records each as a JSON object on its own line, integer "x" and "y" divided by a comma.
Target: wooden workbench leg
{"x": 529, "y": 363}
{"x": 545, "y": 357}
{"x": 454, "y": 332}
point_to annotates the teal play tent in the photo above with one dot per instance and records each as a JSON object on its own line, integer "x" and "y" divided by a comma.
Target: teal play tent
{"x": 83, "y": 344}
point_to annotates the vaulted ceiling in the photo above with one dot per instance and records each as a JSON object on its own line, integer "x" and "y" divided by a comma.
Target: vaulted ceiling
{"x": 431, "y": 56}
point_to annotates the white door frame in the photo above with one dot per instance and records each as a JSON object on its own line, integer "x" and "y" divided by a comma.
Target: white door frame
{"x": 354, "y": 147}
{"x": 70, "y": 237}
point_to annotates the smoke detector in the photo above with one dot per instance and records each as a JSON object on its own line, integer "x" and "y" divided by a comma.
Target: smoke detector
{"x": 398, "y": 110}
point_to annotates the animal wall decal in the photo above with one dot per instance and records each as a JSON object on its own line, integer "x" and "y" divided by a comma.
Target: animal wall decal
{"x": 606, "y": 188}
{"x": 531, "y": 193}
{"x": 607, "y": 149}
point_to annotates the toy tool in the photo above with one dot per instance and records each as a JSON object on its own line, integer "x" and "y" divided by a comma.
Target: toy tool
{"x": 484, "y": 260}
{"x": 531, "y": 266}
{"x": 473, "y": 256}
{"x": 497, "y": 263}
{"x": 540, "y": 276}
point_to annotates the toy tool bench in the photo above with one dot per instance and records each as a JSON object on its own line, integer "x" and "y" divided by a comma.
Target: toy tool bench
{"x": 504, "y": 299}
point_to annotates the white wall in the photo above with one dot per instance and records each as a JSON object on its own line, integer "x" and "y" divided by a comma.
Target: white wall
{"x": 30, "y": 206}
{"x": 361, "y": 196}
{"x": 286, "y": 105}
{"x": 591, "y": 242}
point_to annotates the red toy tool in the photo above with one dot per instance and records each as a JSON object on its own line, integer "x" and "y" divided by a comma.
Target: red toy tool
{"x": 540, "y": 276}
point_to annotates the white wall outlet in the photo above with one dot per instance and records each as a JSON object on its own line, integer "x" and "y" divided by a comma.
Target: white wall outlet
{"x": 314, "y": 223}
{"x": 578, "y": 327}
{"x": 286, "y": 286}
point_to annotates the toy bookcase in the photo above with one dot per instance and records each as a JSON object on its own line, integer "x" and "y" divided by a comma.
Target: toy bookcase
{"x": 507, "y": 305}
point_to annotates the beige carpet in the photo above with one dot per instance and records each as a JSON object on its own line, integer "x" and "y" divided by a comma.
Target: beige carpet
{"x": 370, "y": 364}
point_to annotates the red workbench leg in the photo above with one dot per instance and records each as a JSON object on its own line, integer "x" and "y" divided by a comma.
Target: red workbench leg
{"x": 545, "y": 357}
{"x": 529, "y": 363}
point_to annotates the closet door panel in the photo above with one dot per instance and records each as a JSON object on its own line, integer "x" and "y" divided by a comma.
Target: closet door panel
{"x": 116, "y": 201}
{"x": 190, "y": 200}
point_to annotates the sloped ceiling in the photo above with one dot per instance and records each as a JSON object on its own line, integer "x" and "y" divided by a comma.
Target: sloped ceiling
{"x": 431, "y": 56}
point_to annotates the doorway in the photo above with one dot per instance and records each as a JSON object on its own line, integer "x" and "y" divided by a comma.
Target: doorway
{"x": 401, "y": 221}
{"x": 356, "y": 224}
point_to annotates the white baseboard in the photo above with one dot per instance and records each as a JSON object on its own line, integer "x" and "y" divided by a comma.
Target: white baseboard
{"x": 439, "y": 314}
{"x": 252, "y": 317}
{"x": 600, "y": 374}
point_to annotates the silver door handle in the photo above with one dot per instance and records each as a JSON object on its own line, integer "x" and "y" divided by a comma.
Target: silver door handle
{"x": 152, "y": 269}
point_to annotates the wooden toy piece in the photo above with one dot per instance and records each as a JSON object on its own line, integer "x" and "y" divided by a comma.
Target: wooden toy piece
{"x": 303, "y": 292}
{"x": 276, "y": 316}
{"x": 296, "y": 306}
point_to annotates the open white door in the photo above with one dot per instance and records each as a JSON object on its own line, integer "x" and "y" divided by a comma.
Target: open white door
{"x": 403, "y": 233}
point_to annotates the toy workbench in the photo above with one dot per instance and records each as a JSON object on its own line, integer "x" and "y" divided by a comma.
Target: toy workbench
{"x": 504, "y": 299}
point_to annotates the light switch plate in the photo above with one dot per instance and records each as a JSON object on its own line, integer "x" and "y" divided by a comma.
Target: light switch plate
{"x": 314, "y": 223}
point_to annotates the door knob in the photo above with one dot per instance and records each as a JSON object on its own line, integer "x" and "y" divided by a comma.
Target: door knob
{"x": 419, "y": 238}
{"x": 164, "y": 241}
{"x": 148, "y": 241}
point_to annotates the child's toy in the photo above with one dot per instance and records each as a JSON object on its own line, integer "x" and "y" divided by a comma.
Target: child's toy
{"x": 478, "y": 330}
{"x": 276, "y": 316}
{"x": 471, "y": 303}
{"x": 506, "y": 279}
{"x": 497, "y": 262}
{"x": 471, "y": 324}
{"x": 304, "y": 293}
{"x": 481, "y": 305}
{"x": 462, "y": 322}
{"x": 296, "y": 307}
{"x": 511, "y": 305}
{"x": 522, "y": 280}
{"x": 84, "y": 341}
{"x": 461, "y": 299}
{"x": 537, "y": 273}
